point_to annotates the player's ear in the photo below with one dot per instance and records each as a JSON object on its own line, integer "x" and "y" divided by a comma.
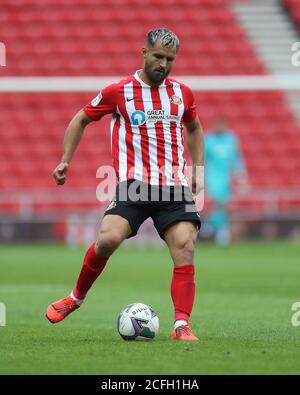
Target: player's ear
{"x": 145, "y": 51}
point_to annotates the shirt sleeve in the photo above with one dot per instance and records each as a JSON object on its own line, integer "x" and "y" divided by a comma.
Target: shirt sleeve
{"x": 104, "y": 103}
{"x": 190, "y": 112}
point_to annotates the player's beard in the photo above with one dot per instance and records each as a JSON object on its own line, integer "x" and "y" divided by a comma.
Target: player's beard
{"x": 154, "y": 76}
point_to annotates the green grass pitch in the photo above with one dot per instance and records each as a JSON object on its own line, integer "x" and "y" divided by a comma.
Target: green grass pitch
{"x": 242, "y": 312}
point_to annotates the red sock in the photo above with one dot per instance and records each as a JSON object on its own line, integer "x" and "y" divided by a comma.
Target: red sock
{"x": 91, "y": 269}
{"x": 183, "y": 291}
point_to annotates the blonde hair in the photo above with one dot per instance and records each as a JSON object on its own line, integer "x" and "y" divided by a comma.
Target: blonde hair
{"x": 166, "y": 38}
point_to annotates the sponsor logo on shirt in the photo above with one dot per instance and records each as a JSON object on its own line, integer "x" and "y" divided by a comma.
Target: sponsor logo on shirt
{"x": 139, "y": 117}
{"x": 155, "y": 115}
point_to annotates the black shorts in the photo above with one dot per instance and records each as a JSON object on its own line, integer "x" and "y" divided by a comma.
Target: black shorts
{"x": 137, "y": 201}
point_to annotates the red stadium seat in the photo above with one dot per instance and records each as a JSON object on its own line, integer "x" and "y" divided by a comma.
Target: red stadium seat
{"x": 44, "y": 40}
{"x": 48, "y": 40}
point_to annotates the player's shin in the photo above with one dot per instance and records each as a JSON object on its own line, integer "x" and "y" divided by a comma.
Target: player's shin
{"x": 92, "y": 267}
{"x": 183, "y": 292}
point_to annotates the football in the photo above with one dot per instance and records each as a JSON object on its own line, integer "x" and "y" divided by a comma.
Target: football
{"x": 138, "y": 321}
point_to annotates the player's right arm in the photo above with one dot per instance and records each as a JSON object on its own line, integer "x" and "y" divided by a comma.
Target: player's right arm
{"x": 104, "y": 103}
{"x": 72, "y": 138}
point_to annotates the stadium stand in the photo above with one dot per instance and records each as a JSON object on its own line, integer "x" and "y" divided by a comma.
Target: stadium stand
{"x": 104, "y": 38}
{"x": 38, "y": 127}
{"x": 94, "y": 37}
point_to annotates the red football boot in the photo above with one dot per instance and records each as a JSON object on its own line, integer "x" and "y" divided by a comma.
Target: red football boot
{"x": 59, "y": 310}
{"x": 184, "y": 332}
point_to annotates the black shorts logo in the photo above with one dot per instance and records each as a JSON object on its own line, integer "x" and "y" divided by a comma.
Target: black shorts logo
{"x": 112, "y": 205}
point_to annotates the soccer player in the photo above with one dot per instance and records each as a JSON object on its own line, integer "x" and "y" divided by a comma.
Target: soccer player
{"x": 149, "y": 110}
{"x": 223, "y": 162}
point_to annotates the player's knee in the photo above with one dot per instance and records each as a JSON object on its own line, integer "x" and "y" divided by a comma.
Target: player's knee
{"x": 185, "y": 244}
{"x": 183, "y": 247}
{"x": 107, "y": 243}
{"x": 188, "y": 247}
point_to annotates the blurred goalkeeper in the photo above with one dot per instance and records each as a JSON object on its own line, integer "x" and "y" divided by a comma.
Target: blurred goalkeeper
{"x": 223, "y": 165}
{"x": 148, "y": 111}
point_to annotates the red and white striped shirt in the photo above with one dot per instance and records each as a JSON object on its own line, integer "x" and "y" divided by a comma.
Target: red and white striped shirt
{"x": 146, "y": 128}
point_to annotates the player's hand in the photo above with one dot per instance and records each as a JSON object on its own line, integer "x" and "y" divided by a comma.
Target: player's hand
{"x": 59, "y": 173}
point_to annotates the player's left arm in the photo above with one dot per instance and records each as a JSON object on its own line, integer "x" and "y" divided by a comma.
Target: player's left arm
{"x": 195, "y": 144}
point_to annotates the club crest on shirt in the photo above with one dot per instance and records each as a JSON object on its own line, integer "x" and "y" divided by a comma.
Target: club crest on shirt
{"x": 96, "y": 100}
{"x": 175, "y": 100}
